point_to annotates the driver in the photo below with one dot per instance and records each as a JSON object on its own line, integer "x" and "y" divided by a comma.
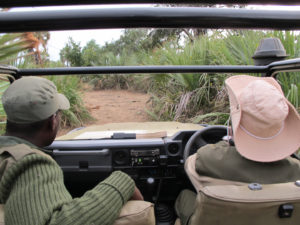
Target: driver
{"x": 266, "y": 131}
{"x": 31, "y": 182}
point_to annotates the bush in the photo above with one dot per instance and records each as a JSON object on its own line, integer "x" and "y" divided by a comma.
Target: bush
{"x": 3, "y": 85}
{"x": 77, "y": 115}
{"x": 184, "y": 96}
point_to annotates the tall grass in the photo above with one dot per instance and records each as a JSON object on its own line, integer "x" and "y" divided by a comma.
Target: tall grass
{"x": 184, "y": 96}
{"x": 290, "y": 83}
{"x": 77, "y": 115}
{"x": 179, "y": 96}
{"x": 3, "y": 85}
{"x": 193, "y": 97}
{"x": 14, "y": 51}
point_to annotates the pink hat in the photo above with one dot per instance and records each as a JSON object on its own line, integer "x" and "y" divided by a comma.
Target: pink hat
{"x": 266, "y": 126}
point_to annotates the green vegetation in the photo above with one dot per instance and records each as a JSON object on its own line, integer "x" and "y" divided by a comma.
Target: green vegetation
{"x": 10, "y": 46}
{"x": 3, "y": 85}
{"x": 198, "y": 98}
{"x": 290, "y": 82}
{"x": 181, "y": 97}
{"x": 77, "y": 114}
{"x": 22, "y": 51}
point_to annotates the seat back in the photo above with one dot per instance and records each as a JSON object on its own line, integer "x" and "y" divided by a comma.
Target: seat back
{"x": 252, "y": 204}
{"x": 1, "y": 214}
{"x": 132, "y": 213}
{"x": 223, "y": 202}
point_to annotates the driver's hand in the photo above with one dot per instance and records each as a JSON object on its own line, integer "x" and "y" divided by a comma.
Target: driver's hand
{"x": 137, "y": 195}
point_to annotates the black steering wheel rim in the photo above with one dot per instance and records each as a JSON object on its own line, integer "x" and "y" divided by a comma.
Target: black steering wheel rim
{"x": 199, "y": 135}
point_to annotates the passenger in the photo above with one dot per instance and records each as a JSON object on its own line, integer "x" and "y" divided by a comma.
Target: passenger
{"x": 266, "y": 131}
{"x": 31, "y": 183}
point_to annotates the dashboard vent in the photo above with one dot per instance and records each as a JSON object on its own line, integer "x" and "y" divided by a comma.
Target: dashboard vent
{"x": 173, "y": 149}
{"x": 121, "y": 157}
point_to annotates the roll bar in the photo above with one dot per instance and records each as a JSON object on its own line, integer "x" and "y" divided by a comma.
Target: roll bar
{"x": 24, "y": 3}
{"x": 151, "y": 17}
{"x": 270, "y": 70}
{"x": 162, "y": 17}
{"x": 143, "y": 69}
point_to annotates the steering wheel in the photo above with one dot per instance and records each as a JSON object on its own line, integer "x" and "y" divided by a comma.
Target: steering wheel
{"x": 200, "y": 138}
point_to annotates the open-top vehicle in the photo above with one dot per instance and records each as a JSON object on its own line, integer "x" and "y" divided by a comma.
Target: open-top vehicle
{"x": 152, "y": 153}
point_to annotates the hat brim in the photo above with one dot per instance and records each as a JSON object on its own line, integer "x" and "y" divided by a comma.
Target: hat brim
{"x": 262, "y": 150}
{"x": 277, "y": 148}
{"x": 63, "y": 102}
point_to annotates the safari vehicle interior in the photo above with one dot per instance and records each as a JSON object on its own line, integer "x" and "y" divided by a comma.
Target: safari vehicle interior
{"x": 155, "y": 159}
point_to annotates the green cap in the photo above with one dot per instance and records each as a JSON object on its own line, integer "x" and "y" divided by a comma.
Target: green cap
{"x": 32, "y": 99}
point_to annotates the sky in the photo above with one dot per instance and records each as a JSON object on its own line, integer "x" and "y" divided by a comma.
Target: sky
{"x": 58, "y": 39}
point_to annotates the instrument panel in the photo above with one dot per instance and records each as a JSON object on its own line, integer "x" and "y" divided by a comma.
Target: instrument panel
{"x": 109, "y": 155}
{"x": 148, "y": 161}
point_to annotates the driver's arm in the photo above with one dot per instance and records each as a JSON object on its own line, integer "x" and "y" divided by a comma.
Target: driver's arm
{"x": 37, "y": 195}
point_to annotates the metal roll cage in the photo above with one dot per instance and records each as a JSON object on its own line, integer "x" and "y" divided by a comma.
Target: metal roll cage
{"x": 151, "y": 17}
{"x": 26, "y": 3}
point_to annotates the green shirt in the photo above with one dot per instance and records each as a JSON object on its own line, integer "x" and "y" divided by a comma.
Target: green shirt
{"x": 34, "y": 193}
{"x": 223, "y": 162}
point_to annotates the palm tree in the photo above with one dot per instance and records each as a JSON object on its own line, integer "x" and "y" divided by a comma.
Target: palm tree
{"x": 13, "y": 47}
{"x": 35, "y": 39}
{"x": 30, "y": 41}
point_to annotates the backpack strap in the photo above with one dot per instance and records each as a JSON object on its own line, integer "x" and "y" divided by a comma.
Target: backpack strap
{"x": 12, "y": 154}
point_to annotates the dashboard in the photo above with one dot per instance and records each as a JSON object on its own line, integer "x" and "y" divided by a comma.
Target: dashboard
{"x": 155, "y": 164}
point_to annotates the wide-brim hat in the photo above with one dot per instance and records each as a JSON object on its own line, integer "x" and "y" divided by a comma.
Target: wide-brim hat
{"x": 266, "y": 126}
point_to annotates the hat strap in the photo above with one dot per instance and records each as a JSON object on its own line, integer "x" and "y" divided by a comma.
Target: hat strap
{"x": 262, "y": 138}
{"x": 229, "y": 129}
{"x": 228, "y": 138}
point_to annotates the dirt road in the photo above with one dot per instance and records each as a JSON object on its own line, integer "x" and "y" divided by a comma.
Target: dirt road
{"x": 108, "y": 106}
{"x": 113, "y": 106}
